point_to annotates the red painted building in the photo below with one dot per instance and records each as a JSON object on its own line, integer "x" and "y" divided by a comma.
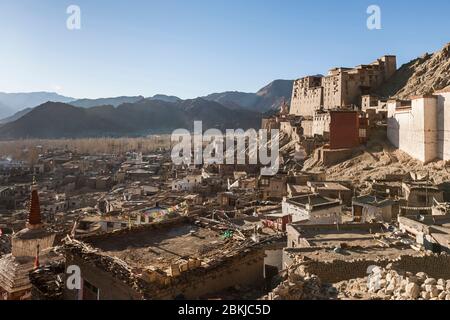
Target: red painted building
{"x": 347, "y": 130}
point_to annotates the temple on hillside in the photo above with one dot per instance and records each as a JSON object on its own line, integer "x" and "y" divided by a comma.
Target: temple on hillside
{"x": 30, "y": 247}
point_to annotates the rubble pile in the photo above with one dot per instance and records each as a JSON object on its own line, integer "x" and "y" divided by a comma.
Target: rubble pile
{"x": 387, "y": 284}
{"x": 49, "y": 281}
{"x": 300, "y": 286}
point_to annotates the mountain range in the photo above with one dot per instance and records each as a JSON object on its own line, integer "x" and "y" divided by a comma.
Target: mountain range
{"x": 115, "y": 102}
{"x": 268, "y": 98}
{"x": 133, "y": 116}
{"x": 11, "y": 103}
{"x": 147, "y": 116}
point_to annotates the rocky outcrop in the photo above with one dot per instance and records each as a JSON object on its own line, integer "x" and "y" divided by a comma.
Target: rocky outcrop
{"x": 424, "y": 75}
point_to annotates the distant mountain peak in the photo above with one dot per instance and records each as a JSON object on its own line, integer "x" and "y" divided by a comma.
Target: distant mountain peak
{"x": 267, "y": 98}
{"x": 114, "y": 101}
{"x": 163, "y": 97}
{"x": 11, "y": 103}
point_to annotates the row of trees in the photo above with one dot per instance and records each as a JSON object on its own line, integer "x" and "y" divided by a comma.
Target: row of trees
{"x": 28, "y": 150}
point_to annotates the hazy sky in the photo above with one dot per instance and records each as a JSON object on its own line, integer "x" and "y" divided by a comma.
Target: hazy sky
{"x": 191, "y": 48}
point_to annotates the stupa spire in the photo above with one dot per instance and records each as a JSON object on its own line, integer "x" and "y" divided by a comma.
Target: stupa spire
{"x": 34, "y": 216}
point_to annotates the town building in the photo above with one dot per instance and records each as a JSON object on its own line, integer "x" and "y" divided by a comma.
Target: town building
{"x": 179, "y": 258}
{"x": 322, "y": 262}
{"x": 333, "y": 189}
{"x": 431, "y": 232}
{"x": 313, "y": 209}
{"x": 187, "y": 183}
{"x": 277, "y": 220}
{"x": 419, "y": 197}
{"x": 421, "y": 127}
{"x": 372, "y": 209}
{"x": 7, "y": 198}
{"x": 342, "y": 87}
{"x": 272, "y": 187}
{"x": 347, "y": 129}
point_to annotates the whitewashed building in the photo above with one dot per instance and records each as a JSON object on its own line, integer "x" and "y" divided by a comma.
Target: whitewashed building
{"x": 421, "y": 127}
{"x": 187, "y": 183}
{"x": 313, "y": 209}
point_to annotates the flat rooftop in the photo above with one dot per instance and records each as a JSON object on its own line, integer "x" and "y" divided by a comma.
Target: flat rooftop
{"x": 328, "y": 186}
{"x": 330, "y": 235}
{"x": 429, "y": 220}
{"x": 161, "y": 247}
{"x": 353, "y": 253}
{"x": 314, "y": 201}
{"x": 373, "y": 201}
{"x": 359, "y": 241}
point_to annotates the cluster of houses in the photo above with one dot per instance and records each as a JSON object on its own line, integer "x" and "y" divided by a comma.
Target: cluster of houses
{"x": 156, "y": 230}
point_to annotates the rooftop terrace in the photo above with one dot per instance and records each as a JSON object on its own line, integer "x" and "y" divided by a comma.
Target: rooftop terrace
{"x": 163, "y": 246}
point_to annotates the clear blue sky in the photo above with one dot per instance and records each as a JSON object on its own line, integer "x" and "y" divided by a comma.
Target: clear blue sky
{"x": 191, "y": 48}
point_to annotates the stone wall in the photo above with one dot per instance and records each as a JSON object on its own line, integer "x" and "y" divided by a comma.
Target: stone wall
{"x": 335, "y": 271}
{"x": 339, "y": 270}
{"x": 111, "y": 288}
{"x": 389, "y": 284}
{"x": 246, "y": 269}
{"x": 437, "y": 266}
{"x": 330, "y": 157}
{"x": 167, "y": 224}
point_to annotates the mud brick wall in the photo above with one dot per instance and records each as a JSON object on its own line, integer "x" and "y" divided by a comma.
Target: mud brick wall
{"x": 437, "y": 266}
{"x": 339, "y": 270}
{"x": 244, "y": 269}
{"x": 110, "y": 287}
{"x": 330, "y": 157}
{"x": 147, "y": 227}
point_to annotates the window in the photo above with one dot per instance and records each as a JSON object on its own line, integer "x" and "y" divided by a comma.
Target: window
{"x": 362, "y": 133}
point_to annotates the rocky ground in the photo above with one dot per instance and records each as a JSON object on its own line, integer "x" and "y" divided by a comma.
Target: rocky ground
{"x": 377, "y": 159}
{"x": 386, "y": 284}
{"x": 381, "y": 284}
{"x": 423, "y": 75}
{"x": 297, "y": 287}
